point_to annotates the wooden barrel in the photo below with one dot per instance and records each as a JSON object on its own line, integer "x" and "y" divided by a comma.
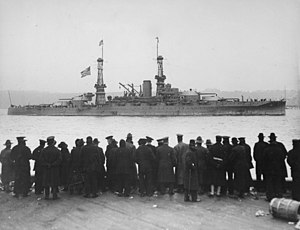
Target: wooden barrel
{"x": 285, "y": 208}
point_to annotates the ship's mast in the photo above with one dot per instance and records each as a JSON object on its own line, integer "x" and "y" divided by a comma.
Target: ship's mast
{"x": 160, "y": 77}
{"x": 100, "y": 86}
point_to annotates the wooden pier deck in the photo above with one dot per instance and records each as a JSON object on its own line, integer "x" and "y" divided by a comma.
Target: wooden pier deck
{"x": 111, "y": 212}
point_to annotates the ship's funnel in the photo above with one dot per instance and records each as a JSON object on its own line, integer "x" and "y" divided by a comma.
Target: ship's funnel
{"x": 147, "y": 88}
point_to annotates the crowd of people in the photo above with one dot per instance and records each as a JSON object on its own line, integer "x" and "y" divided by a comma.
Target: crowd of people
{"x": 222, "y": 168}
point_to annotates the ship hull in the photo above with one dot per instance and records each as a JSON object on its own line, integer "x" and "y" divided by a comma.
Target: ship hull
{"x": 216, "y": 108}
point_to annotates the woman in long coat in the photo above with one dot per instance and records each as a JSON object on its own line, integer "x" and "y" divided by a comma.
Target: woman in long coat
{"x": 191, "y": 173}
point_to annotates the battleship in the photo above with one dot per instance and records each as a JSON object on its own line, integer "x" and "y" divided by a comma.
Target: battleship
{"x": 166, "y": 101}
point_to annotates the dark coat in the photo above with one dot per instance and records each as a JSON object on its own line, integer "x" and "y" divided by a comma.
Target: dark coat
{"x": 132, "y": 150}
{"x": 242, "y": 177}
{"x": 21, "y": 155}
{"x": 274, "y": 158}
{"x": 216, "y": 165}
{"x": 166, "y": 162}
{"x": 110, "y": 155}
{"x": 180, "y": 154}
{"x": 258, "y": 154}
{"x": 248, "y": 154}
{"x": 294, "y": 162}
{"x": 202, "y": 155}
{"x": 102, "y": 159}
{"x": 75, "y": 160}
{"x": 123, "y": 161}
{"x": 155, "y": 162}
{"x": 145, "y": 159}
{"x": 64, "y": 166}
{"x": 36, "y": 157}
{"x": 191, "y": 170}
{"x": 50, "y": 160}
{"x": 90, "y": 157}
{"x": 228, "y": 148}
{"x": 7, "y": 173}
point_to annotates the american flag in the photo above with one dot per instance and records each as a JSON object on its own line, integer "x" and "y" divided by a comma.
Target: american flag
{"x": 86, "y": 72}
{"x": 101, "y": 43}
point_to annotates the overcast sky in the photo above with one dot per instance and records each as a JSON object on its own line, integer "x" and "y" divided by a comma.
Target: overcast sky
{"x": 223, "y": 44}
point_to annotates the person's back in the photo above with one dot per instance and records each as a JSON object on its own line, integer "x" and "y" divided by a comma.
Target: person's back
{"x": 90, "y": 158}
{"x": 123, "y": 161}
{"x": 274, "y": 158}
{"x": 144, "y": 158}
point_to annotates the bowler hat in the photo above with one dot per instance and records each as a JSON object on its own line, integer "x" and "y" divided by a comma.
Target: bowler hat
{"x": 261, "y": 135}
{"x": 129, "y": 135}
{"x": 272, "y": 135}
{"x": 108, "y": 137}
{"x": 96, "y": 141}
{"x": 7, "y": 142}
{"x": 208, "y": 142}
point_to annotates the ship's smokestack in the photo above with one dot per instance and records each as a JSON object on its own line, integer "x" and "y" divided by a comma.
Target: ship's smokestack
{"x": 100, "y": 86}
{"x": 147, "y": 88}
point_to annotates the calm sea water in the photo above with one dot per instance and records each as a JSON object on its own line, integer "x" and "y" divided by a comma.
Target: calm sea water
{"x": 69, "y": 128}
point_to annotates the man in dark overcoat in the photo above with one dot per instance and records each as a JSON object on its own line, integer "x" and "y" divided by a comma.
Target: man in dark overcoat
{"x": 50, "y": 160}
{"x": 101, "y": 173}
{"x": 275, "y": 169}
{"x": 155, "y": 163}
{"x": 228, "y": 166}
{"x": 7, "y": 169}
{"x": 258, "y": 156}
{"x": 124, "y": 163}
{"x": 191, "y": 173}
{"x": 180, "y": 151}
{"x": 242, "y": 177}
{"x": 294, "y": 162}
{"x": 145, "y": 159}
{"x": 75, "y": 173}
{"x": 242, "y": 142}
{"x": 38, "y": 169}
{"x": 21, "y": 155}
{"x": 216, "y": 163}
{"x": 132, "y": 149}
{"x": 274, "y": 138}
{"x": 202, "y": 154}
{"x": 91, "y": 167}
{"x": 64, "y": 166}
{"x": 109, "y": 165}
{"x": 166, "y": 163}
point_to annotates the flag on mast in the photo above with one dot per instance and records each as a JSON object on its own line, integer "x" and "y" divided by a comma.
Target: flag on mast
{"x": 86, "y": 72}
{"x": 101, "y": 43}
